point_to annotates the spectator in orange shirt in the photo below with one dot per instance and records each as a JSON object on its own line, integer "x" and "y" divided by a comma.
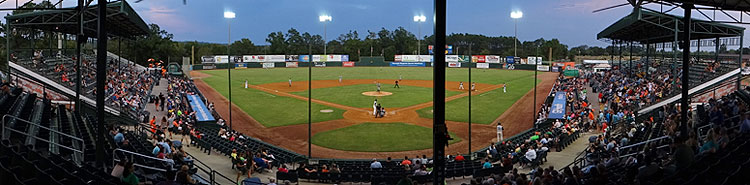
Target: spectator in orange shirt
{"x": 406, "y": 161}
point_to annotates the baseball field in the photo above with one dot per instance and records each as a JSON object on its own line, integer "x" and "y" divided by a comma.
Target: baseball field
{"x": 271, "y": 108}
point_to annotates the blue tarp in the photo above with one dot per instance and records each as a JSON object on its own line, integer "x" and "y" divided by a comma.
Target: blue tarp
{"x": 201, "y": 112}
{"x": 557, "y": 111}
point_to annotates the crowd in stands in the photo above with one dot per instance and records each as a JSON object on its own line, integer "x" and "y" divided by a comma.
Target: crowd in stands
{"x": 622, "y": 94}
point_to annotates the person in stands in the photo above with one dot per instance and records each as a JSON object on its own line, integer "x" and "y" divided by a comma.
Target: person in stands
{"x": 375, "y": 164}
{"x": 183, "y": 176}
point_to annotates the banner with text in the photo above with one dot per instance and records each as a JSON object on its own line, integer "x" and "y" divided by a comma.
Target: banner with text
{"x": 292, "y": 64}
{"x": 407, "y": 64}
{"x": 269, "y": 65}
{"x": 557, "y": 110}
{"x": 483, "y": 65}
{"x": 347, "y": 64}
{"x": 492, "y": 59}
{"x": 454, "y": 64}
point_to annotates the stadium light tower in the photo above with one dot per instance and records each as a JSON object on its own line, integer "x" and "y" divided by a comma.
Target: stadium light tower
{"x": 324, "y": 19}
{"x": 515, "y": 15}
{"x": 229, "y": 15}
{"x": 419, "y": 19}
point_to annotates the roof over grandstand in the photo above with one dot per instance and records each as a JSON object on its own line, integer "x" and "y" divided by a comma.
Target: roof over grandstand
{"x": 646, "y": 26}
{"x": 740, "y": 5}
{"x": 122, "y": 18}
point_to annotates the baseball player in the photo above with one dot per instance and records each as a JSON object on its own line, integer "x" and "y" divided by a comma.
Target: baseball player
{"x": 400, "y": 77}
{"x": 340, "y": 77}
{"x": 460, "y": 85}
{"x": 396, "y": 86}
{"x": 473, "y": 86}
{"x": 378, "y": 84}
{"x": 290, "y": 82}
{"x": 245, "y": 84}
{"x": 375, "y": 107}
{"x": 504, "y": 88}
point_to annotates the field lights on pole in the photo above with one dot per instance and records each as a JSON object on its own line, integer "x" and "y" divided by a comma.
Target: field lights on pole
{"x": 324, "y": 19}
{"x": 419, "y": 19}
{"x": 515, "y": 15}
{"x": 229, "y": 15}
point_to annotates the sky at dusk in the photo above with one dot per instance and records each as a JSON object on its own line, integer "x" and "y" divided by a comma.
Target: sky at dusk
{"x": 571, "y": 21}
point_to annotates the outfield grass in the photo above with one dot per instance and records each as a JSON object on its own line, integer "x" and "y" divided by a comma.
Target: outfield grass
{"x": 377, "y": 137}
{"x": 271, "y": 110}
{"x": 351, "y": 95}
{"x": 485, "y": 107}
{"x": 277, "y": 111}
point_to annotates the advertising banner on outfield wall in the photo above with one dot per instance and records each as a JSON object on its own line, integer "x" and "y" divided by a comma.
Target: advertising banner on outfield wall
{"x": 320, "y": 64}
{"x": 240, "y": 65}
{"x": 478, "y": 58}
{"x": 207, "y": 60}
{"x": 292, "y": 64}
{"x": 275, "y": 58}
{"x": 304, "y": 58}
{"x": 483, "y": 65}
{"x": 454, "y": 64}
{"x": 254, "y": 58}
{"x": 407, "y": 64}
{"x": 344, "y": 58}
{"x": 452, "y": 58}
{"x": 347, "y": 64}
{"x": 542, "y": 68}
{"x": 268, "y": 65}
{"x": 221, "y": 59}
{"x": 510, "y": 60}
{"x": 491, "y": 59}
{"x": 292, "y": 58}
{"x": 557, "y": 110}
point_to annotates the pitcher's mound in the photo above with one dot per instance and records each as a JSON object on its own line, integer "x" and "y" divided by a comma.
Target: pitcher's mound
{"x": 376, "y": 93}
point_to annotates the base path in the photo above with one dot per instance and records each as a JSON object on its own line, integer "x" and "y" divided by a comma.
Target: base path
{"x": 295, "y": 137}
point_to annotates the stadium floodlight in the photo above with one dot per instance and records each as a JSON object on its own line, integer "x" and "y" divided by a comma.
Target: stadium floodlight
{"x": 324, "y": 19}
{"x": 229, "y": 15}
{"x": 515, "y": 15}
{"x": 419, "y": 18}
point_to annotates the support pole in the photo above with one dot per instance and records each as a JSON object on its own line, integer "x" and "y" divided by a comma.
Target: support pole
{"x": 684, "y": 106}
{"x": 439, "y": 130}
{"x": 630, "y": 61}
{"x": 229, "y": 70}
{"x": 309, "y": 101}
{"x": 739, "y": 61}
{"x": 470, "y": 98}
{"x": 648, "y": 54}
{"x": 101, "y": 80}
{"x": 79, "y": 41}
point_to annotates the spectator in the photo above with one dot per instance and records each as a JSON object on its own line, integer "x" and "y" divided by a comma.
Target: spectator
{"x": 283, "y": 169}
{"x": 530, "y": 155}
{"x": 745, "y": 124}
{"x": 375, "y": 164}
{"x": 335, "y": 168}
{"x": 486, "y": 164}
{"x": 170, "y": 179}
{"x": 260, "y": 163}
{"x": 421, "y": 171}
{"x": 459, "y": 157}
{"x": 119, "y": 137}
{"x": 406, "y": 161}
{"x": 183, "y": 176}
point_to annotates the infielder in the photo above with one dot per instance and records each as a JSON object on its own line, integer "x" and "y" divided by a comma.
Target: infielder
{"x": 396, "y": 86}
{"x": 378, "y": 84}
{"x": 400, "y": 77}
{"x": 473, "y": 86}
{"x": 340, "y": 77}
{"x": 290, "y": 82}
{"x": 504, "y": 87}
{"x": 245, "y": 84}
{"x": 460, "y": 85}
{"x": 375, "y": 107}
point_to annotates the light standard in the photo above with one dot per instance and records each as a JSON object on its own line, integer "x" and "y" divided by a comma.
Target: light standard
{"x": 324, "y": 19}
{"x": 229, "y": 15}
{"x": 515, "y": 15}
{"x": 419, "y": 19}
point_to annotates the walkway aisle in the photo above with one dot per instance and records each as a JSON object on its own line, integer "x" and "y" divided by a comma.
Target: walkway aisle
{"x": 216, "y": 161}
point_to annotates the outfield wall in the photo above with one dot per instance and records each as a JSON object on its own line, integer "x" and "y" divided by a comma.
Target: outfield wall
{"x": 366, "y": 63}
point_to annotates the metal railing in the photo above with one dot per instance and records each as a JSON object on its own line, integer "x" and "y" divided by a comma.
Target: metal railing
{"x": 134, "y": 154}
{"x": 72, "y": 138}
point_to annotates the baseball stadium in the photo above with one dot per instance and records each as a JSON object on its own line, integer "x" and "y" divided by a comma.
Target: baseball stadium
{"x": 171, "y": 92}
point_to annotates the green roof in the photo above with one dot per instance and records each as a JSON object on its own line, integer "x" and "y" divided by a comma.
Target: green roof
{"x": 121, "y": 18}
{"x": 646, "y": 26}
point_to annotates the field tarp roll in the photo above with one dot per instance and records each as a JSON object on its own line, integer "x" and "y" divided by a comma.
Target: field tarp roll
{"x": 202, "y": 114}
{"x": 557, "y": 110}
